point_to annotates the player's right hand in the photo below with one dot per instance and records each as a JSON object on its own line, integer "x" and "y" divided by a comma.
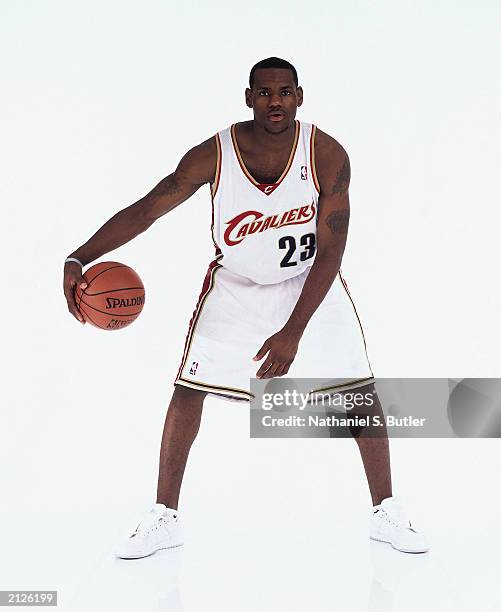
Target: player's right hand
{"x": 72, "y": 278}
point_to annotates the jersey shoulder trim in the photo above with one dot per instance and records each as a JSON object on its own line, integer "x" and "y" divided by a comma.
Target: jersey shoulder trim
{"x": 217, "y": 175}
{"x": 312, "y": 158}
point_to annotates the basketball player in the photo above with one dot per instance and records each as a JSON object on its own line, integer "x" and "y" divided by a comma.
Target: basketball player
{"x": 280, "y": 212}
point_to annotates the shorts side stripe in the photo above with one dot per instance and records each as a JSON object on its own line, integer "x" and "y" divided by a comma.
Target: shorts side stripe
{"x": 232, "y": 392}
{"x": 358, "y": 318}
{"x": 206, "y": 289}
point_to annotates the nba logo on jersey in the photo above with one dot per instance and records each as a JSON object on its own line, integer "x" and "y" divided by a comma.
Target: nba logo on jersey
{"x": 193, "y": 369}
{"x": 304, "y": 173}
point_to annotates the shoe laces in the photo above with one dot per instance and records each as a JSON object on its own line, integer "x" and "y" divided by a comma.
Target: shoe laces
{"x": 151, "y": 522}
{"x": 396, "y": 515}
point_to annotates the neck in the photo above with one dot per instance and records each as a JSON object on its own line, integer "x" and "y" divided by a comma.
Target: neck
{"x": 273, "y": 140}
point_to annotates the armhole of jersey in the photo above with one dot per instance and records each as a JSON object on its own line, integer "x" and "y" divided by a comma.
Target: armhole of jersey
{"x": 312, "y": 158}
{"x": 217, "y": 175}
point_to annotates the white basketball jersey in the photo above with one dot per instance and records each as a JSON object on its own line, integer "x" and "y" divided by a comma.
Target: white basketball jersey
{"x": 266, "y": 232}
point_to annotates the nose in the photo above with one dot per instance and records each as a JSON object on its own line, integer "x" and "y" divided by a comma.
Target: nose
{"x": 274, "y": 100}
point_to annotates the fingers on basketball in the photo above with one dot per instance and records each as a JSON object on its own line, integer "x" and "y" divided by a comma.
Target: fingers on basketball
{"x": 113, "y": 297}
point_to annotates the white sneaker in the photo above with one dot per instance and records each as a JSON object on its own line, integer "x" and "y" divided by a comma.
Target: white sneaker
{"x": 159, "y": 529}
{"x": 389, "y": 523}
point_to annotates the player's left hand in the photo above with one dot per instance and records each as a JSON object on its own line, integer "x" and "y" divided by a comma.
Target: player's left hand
{"x": 281, "y": 349}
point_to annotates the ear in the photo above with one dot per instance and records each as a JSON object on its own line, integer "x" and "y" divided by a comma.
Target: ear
{"x": 248, "y": 97}
{"x": 299, "y": 92}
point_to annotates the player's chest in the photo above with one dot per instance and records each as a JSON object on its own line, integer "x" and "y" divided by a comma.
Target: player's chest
{"x": 265, "y": 168}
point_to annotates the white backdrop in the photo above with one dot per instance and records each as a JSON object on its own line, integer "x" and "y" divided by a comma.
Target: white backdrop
{"x": 101, "y": 100}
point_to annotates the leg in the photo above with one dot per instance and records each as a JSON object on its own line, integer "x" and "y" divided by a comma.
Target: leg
{"x": 389, "y": 522}
{"x": 181, "y": 427}
{"x": 374, "y": 449}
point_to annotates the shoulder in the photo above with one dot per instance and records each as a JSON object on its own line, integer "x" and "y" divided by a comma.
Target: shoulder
{"x": 206, "y": 149}
{"x": 201, "y": 160}
{"x": 327, "y": 147}
{"x": 331, "y": 159}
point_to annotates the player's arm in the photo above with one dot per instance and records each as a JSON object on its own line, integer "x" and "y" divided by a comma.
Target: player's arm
{"x": 196, "y": 168}
{"x": 333, "y": 172}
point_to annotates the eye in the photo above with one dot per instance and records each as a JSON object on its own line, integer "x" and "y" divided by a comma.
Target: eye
{"x": 263, "y": 93}
{"x": 287, "y": 92}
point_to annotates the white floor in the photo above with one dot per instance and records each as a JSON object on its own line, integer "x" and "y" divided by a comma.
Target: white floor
{"x": 278, "y": 525}
{"x": 233, "y": 566}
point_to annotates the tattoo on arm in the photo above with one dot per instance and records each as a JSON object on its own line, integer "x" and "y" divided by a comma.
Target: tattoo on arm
{"x": 338, "y": 222}
{"x": 342, "y": 181}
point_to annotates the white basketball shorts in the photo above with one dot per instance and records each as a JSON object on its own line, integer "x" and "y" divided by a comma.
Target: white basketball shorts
{"x": 233, "y": 318}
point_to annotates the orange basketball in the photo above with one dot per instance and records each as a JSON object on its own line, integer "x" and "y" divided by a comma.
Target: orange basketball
{"x": 114, "y": 296}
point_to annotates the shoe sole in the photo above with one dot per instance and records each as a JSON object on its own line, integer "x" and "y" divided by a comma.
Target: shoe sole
{"x": 149, "y": 554}
{"x": 422, "y": 550}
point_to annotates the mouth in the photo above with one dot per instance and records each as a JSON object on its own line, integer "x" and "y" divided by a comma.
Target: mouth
{"x": 276, "y": 116}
